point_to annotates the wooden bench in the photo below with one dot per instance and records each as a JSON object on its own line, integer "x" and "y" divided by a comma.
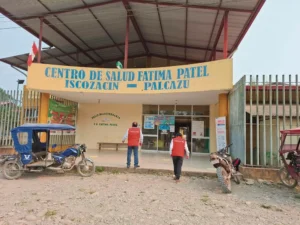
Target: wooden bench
{"x": 116, "y": 145}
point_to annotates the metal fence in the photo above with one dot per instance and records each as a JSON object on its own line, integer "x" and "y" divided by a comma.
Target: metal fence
{"x": 271, "y": 105}
{"x": 19, "y": 107}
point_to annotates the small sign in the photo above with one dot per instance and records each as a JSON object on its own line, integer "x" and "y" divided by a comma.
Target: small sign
{"x": 221, "y": 132}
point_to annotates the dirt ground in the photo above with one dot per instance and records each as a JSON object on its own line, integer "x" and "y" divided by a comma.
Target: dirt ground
{"x": 141, "y": 199}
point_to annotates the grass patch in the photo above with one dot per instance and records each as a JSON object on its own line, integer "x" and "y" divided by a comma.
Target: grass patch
{"x": 99, "y": 169}
{"x": 297, "y": 196}
{"x": 50, "y": 213}
{"x": 115, "y": 171}
{"x": 205, "y": 198}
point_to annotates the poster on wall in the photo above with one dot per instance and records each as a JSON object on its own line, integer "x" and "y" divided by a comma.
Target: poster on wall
{"x": 197, "y": 129}
{"x": 149, "y": 122}
{"x": 221, "y": 132}
{"x": 61, "y": 114}
{"x": 164, "y": 122}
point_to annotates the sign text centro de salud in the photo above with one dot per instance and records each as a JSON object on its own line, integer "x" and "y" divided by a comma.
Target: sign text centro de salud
{"x": 153, "y": 80}
{"x": 167, "y": 79}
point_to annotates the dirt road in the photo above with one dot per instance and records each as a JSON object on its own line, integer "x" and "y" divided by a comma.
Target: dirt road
{"x": 141, "y": 199}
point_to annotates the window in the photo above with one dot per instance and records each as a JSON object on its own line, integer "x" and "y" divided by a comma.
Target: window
{"x": 23, "y": 138}
{"x": 201, "y": 110}
{"x": 183, "y": 110}
{"x": 150, "y": 109}
{"x": 167, "y": 109}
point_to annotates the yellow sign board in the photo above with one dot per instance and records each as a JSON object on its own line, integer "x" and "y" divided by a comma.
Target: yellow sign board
{"x": 215, "y": 75}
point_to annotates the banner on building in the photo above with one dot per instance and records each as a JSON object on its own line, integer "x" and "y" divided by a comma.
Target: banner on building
{"x": 61, "y": 114}
{"x": 221, "y": 132}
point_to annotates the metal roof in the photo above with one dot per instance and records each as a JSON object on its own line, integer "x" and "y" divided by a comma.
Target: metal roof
{"x": 182, "y": 30}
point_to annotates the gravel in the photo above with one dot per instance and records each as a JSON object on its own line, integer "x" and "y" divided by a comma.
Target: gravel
{"x": 135, "y": 199}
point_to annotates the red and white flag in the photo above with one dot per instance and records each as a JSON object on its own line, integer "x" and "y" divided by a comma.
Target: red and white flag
{"x": 34, "y": 51}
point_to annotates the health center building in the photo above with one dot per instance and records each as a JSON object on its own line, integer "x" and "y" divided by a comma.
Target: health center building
{"x": 177, "y": 62}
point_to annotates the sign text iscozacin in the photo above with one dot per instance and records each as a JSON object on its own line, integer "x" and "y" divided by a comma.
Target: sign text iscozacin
{"x": 102, "y": 79}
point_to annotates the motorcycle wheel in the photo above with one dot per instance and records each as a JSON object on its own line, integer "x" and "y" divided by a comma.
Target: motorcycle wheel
{"x": 224, "y": 181}
{"x": 84, "y": 169}
{"x": 12, "y": 170}
{"x": 286, "y": 178}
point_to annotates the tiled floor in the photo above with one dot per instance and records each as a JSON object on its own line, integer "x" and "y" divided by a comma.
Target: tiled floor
{"x": 149, "y": 160}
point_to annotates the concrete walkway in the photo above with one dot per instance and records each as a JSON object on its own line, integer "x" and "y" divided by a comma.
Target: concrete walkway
{"x": 150, "y": 160}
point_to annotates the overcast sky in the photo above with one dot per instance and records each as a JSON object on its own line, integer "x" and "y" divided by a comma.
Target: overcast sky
{"x": 271, "y": 45}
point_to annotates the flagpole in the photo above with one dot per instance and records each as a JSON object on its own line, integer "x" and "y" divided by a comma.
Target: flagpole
{"x": 40, "y": 40}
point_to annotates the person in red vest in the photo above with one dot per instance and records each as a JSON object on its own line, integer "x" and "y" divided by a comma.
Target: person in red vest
{"x": 135, "y": 138}
{"x": 178, "y": 148}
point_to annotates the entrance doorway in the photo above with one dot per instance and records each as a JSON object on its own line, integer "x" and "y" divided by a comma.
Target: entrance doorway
{"x": 183, "y": 126}
{"x": 161, "y": 123}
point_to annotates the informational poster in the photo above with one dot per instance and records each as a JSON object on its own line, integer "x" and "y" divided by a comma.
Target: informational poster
{"x": 197, "y": 129}
{"x": 149, "y": 122}
{"x": 61, "y": 114}
{"x": 221, "y": 132}
{"x": 164, "y": 122}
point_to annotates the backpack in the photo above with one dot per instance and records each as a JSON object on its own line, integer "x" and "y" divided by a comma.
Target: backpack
{"x": 236, "y": 163}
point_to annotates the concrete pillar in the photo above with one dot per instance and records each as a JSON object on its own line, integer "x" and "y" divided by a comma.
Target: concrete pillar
{"x": 224, "y": 111}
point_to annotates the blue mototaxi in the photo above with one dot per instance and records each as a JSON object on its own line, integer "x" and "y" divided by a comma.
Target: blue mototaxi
{"x": 33, "y": 155}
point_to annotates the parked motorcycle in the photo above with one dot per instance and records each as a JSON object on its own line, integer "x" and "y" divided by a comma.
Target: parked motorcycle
{"x": 289, "y": 173}
{"x": 33, "y": 156}
{"x": 222, "y": 161}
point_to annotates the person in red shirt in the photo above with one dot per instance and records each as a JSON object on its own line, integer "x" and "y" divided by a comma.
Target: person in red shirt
{"x": 135, "y": 138}
{"x": 178, "y": 148}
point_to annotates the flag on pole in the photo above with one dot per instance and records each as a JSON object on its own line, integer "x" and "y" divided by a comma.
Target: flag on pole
{"x": 34, "y": 51}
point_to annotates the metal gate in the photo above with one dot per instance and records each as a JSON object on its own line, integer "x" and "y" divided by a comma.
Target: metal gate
{"x": 272, "y": 104}
{"x": 237, "y": 120}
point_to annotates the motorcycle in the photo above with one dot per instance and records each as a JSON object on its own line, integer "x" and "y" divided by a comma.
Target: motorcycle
{"x": 289, "y": 173}
{"x": 34, "y": 155}
{"x": 222, "y": 161}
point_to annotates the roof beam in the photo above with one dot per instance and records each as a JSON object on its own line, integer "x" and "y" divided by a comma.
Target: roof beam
{"x": 68, "y": 10}
{"x": 68, "y": 39}
{"x": 218, "y": 35}
{"x": 135, "y": 24}
{"x": 54, "y": 57}
{"x": 176, "y": 58}
{"x": 120, "y": 58}
{"x": 13, "y": 64}
{"x": 72, "y": 33}
{"x": 101, "y": 25}
{"x": 186, "y": 26}
{"x": 213, "y": 28}
{"x": 182, "y": 46}
{"x": 98, "y": 48}
{"x": 30, "y": 30}
{"x": 248, "y": 24}
{"x": 161, "y": 27}
{"x": 192, "y": 6}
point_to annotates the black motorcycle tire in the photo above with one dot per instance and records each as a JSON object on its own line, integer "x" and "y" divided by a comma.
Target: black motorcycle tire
{"x": 81, "y": 172}
{"x": 291, "y": 186}
{"x": 226, "y": 186}
{"x": 6, "y": 168}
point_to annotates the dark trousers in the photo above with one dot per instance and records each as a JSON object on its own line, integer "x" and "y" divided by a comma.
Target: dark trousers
{"x": 135, "y": 154}
{"x": 177, "y": 162}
